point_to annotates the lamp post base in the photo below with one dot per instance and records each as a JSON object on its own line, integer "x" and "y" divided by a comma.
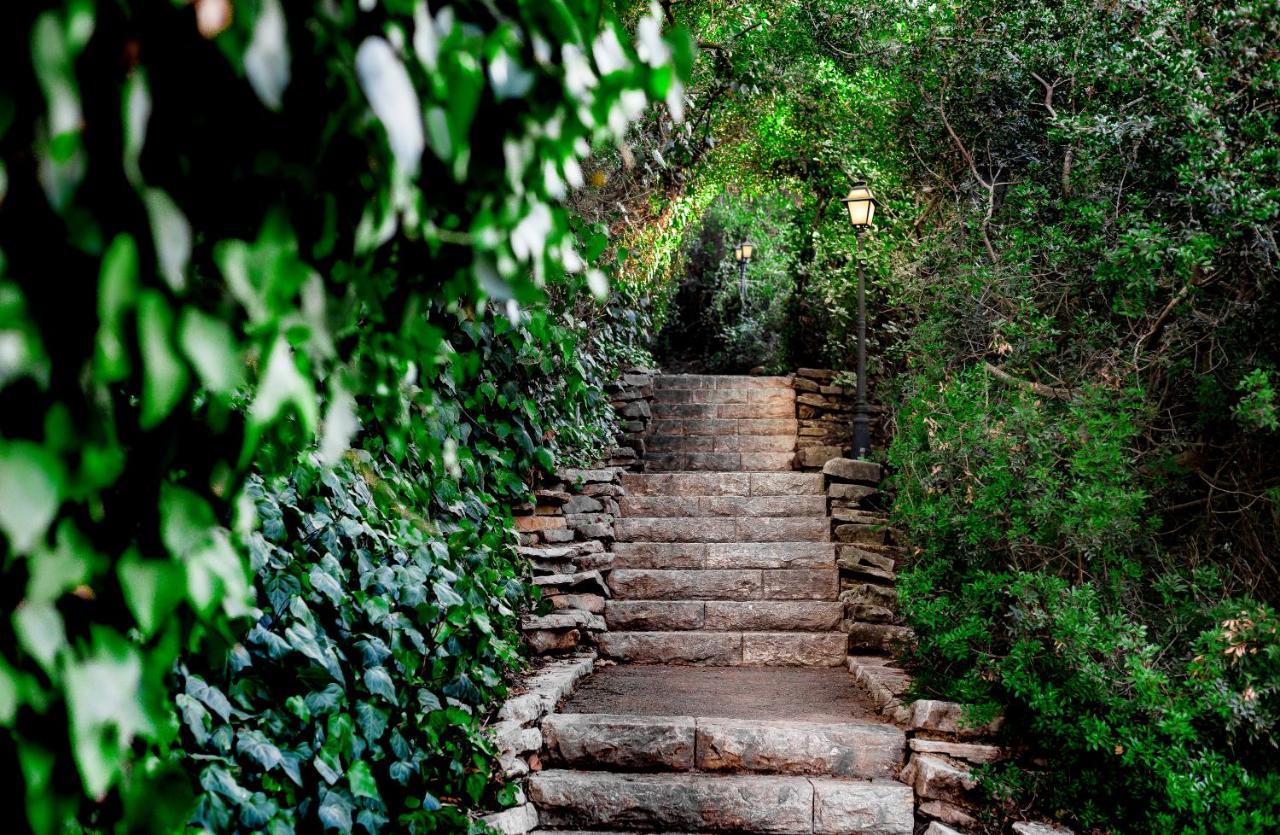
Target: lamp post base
{"x": 861, "y": 432}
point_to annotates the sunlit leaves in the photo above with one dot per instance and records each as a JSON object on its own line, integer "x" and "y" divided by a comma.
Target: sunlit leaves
{"x": 393, "y": 99}
{"x": 266, "y": 61}
{"x": 166, "y": 375}
{"x": 31, "y": 485}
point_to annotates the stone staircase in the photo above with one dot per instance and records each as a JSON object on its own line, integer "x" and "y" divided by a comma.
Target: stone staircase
{"x": 731, "y": 709}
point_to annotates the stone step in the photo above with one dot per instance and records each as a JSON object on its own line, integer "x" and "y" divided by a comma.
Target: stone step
{"x": 719, "y": 443}
{"x": 721, "y": 803}
{"x": 753, "y": 506}
{"x": 674, "y": 555}
{"x": 725, "y": 426}
{"x": 727, "y": 649}
{"x": 721, "y": 396}
{"x": 724, "y": 584}
{"x": 724, "y": 615}
{"x": 723, "y": 484}
{"x": 722, "y": 381}
{"x": 735, "y": 462}
{"x": 684, "y": 743}
{"x": 777, "y": 408}
{"x": 722, "y": 529}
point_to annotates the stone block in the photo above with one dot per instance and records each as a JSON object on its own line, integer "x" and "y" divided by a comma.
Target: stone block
{"x": 817, "y": 456}
{"x": 878, "y": 637}
{"x": 668, "y": 555}
{"x": 793, "y": 649}
{"x": 769, "y": 555}
{"x": 937, "y": 778}
{"x": 800, "y": 584}
{"x": 942, "y": 717}
{"x": 948, "y": 813}
{"x": 630, "y": 743}
{"x": 583, "y": 504}
{"x": 542, "y": 641}
{"x": 784, "y": 484}
{"x": 528, "y": 524}
{"x": 722, "y": 649}
{"x": 779, "y": 746}
{"x": 674, "y": 802}
{"x": 1032, "y": 828}
{"x": 655, "y": 615}
{"x": 854, "y": 533}
{"x": 855, "y": 470}
{"x": 971, "y": 752}
{"x": 771, "y": 615}
{"x": 782, "y": 529}
{"x": 689, "y": 584}
{"x": 517, "y": 820}
{"x": 676, "y": 529}
{"x": 875, "y": 808}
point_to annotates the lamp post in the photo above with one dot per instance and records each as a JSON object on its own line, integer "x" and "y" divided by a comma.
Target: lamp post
{"x": 862, "y": 209}
{"x": 743, "y": 252}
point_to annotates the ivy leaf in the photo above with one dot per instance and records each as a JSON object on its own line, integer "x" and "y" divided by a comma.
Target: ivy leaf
{"x": 379, "y": 683}
{"x": 212, "y": 697}
{"x": 194, "y": 716}
{"x": 326, "y": 585}
{"x": 335, "y": 812}
{"x": 255, "y": 745}
{"x": 212, "y": 349}
{"x": 171, "y": 233}
{"x": 394, "y": 101}
{"x": 372, "y": 720}
{"x": 361, "y": 780}
{"x": 30, "y": 492}
{"x": 40, "y": 632}
{"x": 152, "y": 589}
{"x": 266, "y": 61}
{"x": 117, "y": 293}
{"x": 165, "y": 379}
{"x": 326, "y": 763}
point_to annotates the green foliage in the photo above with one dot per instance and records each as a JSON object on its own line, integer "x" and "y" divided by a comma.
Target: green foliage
{"x": 230, "y": 239}
{"x": 357, "y": 699}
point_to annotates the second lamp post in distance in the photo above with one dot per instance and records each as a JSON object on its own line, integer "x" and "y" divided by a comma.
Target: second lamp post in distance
{"x": 743, "y": 252}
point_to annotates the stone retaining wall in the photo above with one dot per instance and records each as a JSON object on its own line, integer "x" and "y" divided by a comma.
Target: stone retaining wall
{"x": 824, "y": 411}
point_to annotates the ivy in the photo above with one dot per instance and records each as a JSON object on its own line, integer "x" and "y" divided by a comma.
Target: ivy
{"x": 237, "y": 240}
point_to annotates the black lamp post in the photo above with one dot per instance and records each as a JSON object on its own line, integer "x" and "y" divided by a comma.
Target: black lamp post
{"x": 862, "y": 209}
{"x": 743, "y": 252}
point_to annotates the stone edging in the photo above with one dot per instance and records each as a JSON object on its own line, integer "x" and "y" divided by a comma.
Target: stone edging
{"x": 517, "y": 732}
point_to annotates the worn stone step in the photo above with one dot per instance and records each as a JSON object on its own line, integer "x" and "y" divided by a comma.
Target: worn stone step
{"x": 684, "y": 743}
{"x": 723, "y": 484}
{"x": 728, "y": 394}
{"x": 722, "y": 529}
{"x": 725, "y": 616}
{"x": 725, "y": 426}
{"x": 673, "y": 555}
{"x": 724, "y": 584}
{"x": 721, "y": 803}
{"x": 727, "y": 649}
{"x": 723, "y": 381}
{"x": 777, "y": 408}
{"x": 717, "y": 461}
{"x": 753, "y": 506}
{"x": 719, "y": 443}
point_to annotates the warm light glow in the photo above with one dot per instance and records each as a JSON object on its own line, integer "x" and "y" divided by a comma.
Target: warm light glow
{"x": 861, "y": 205}
{"x": 748, "y": 249}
